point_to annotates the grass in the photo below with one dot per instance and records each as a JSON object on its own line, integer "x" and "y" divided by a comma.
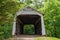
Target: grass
{"x": 46, "y": 38}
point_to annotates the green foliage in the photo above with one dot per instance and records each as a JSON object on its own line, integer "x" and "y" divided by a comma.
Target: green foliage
{"x": 51, "y": 10}
{"x": 5, "y": 31}
{"x": 46, "y": 38}
{"x": 28, "y": 1}
{"x": 29, "y": 29}
{"x": 7, "y": 9}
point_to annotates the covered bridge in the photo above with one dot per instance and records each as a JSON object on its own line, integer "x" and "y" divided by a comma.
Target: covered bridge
{"x": 28, "y": 16}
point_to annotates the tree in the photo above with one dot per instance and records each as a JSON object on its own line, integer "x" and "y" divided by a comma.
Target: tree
{"x": 51, "y": 10}
{"x": 7, "y": 9}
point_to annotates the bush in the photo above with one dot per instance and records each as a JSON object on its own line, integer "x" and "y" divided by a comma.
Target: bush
{"x": 51, "y": 11}
{"x": 5, "y": 31}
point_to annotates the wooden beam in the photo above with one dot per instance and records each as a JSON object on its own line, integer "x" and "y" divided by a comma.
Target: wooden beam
{"x": 19, "y": 21}
{"x": 37, "y": 21}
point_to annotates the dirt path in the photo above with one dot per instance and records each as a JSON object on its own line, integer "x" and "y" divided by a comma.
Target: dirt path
{"x": 24, "y": 37}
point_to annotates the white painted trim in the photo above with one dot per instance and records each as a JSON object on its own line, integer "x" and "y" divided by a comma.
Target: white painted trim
{"x": 42, "y": 23}
{"x": 43, "y": 28}
{"x": 14, "y": 26}
{"x": 31, "y": 13}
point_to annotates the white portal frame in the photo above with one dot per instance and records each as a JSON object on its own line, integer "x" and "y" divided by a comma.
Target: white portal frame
{"x": 20, "y": 13}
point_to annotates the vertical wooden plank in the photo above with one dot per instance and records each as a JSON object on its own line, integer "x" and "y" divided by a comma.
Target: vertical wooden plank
{"x": 38, "y": 28}
{"x": 43, "y": 28}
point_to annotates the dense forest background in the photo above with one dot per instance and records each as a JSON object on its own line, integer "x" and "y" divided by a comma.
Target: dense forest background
{"x": 50, "y": 8}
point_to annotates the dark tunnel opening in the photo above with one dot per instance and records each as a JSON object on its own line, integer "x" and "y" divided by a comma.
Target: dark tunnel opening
{"x": 22, "y": 20}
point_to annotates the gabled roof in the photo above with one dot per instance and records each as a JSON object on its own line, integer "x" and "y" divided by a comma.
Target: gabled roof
{"x": 34, "y": 10}
{"x": 29, "y": 10}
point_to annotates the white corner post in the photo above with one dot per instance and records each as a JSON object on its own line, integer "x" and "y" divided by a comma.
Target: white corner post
{"x": 14, "y": 26}
{"x": 43, "y": 27}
